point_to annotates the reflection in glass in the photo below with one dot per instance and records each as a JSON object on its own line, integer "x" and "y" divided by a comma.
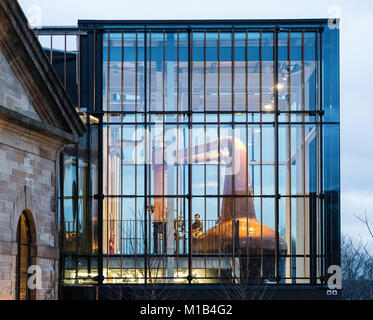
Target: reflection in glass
{"x": 206, "y": 123}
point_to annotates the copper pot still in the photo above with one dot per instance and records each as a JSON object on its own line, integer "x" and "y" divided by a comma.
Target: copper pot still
{"x": 237, "y": 228}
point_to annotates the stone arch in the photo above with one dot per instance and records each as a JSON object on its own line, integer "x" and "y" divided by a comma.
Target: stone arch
{"x": 25, "y": 203}
{"x": 28, "y": 214}
{"x": 26, "y": 254}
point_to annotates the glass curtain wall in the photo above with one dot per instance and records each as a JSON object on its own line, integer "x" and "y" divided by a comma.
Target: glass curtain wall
{"x": 78, "y": 210}
{"x": 213, "y": 166}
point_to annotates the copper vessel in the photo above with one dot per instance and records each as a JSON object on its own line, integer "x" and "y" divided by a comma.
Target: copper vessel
{"x": 246, "y": 234}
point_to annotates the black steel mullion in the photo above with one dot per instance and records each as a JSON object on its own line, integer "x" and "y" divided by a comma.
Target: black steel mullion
{"x": 145, "y": 148}
{"x": 178, "y": 216}
{"x": 164, "y": 149}
{"x": 219, "y": 146}
{"x": 247, "y": 191}
{"x": 150, "y": 72}
{"x": 178, "y": 78}
{"x": 313, "y": 204}
{"x": 148, "y": 177}
{"x": 214, "y": 196}
{"x": 184, "y": 28}
{"x": 170, "y": 112}
{"x": 107, "y": 222}
{"x": 190, "y": 102}
{"x": 289, "y": 148}
{"x": 305, "y": 235}
{"x": 136, "y": 126}
{"x": 233, "y": 161}
{"x": 277, "y": 193}
{"x": 261, "y": 150}
{"x": 322, "y": 221}
{"x": 100, "y": 207}
{"x": 174, "y": 26}
{"x": 315, "y": 218}
{"x": 205, "y": 128}
{"x": 204, "y": 76}
{"x": 121, "y": 156}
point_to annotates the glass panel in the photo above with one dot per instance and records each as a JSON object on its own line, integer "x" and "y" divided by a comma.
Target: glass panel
{"x": 331, "y": 74}
{"x": 70, "y": 204}
{"x": 310, "y": 71}
{"x": 217, "y": 160}
{"x": 84, "y": 221}
{"x": 331, "y": 183}
{"x": 156, "y": 68}
{"x": 283, "y": 81}
{"x": 254, "y": 57}
{"x": 198, "y": 71}
{"x": 240, "y": 81}
{"x": 226, "y": 72}
{"x": 267, "y": 76}
{"x": 93, "y": 185}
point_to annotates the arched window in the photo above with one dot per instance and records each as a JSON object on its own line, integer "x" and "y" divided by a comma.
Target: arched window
{"x": 25, "y": 238}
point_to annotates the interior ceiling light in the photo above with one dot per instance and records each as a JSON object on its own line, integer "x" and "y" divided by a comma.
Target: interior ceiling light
{"x": 280, "y": 86}
{"x": 268, "y": 107}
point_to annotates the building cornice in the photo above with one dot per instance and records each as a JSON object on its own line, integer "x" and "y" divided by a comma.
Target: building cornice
{"x": 11, "y": 118}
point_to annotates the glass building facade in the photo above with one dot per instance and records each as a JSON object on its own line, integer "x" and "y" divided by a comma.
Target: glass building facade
{"x": 211, "y": 153}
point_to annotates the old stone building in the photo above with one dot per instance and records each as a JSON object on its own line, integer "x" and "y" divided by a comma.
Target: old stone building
{"x": 37, "y": 120}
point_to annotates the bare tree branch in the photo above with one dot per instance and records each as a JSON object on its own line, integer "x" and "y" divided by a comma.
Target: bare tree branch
{"x": 366, "y": 222}
{"x": 357, "y": 265}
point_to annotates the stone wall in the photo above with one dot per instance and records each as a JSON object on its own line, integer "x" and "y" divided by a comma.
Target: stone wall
{"x": 28, "y": 182}
{"x": 12, "y": 94}
{"x": 37, "y": 119}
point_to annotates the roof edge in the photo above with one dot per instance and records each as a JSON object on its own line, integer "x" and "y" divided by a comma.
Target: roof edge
{"x": 308, "y": 21}
{"x": 29, "y": 62}
{"x": 36, "y": 125}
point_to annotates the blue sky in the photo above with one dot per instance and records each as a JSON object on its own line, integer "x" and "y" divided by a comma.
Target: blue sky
{"x": 356, "y": 67}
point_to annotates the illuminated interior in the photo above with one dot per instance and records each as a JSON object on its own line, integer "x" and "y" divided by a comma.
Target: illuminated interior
{"x": 227, "y": 124}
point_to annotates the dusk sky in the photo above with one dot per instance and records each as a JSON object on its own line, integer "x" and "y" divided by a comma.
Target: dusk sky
{"x": 356, "y": 67}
